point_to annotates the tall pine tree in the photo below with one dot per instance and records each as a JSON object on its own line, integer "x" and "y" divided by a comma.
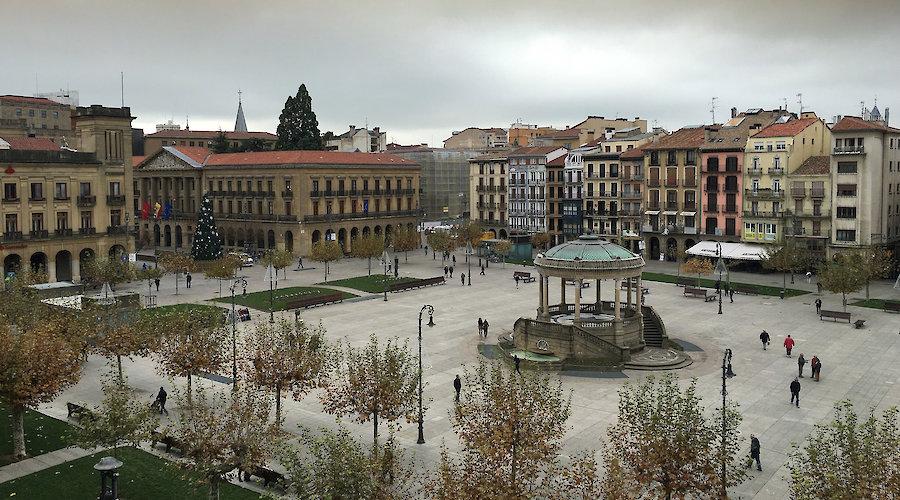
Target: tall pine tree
{"x": 220, "y": 143}
{"x": 297, "y": 125}
{"x": 207, "y": 245}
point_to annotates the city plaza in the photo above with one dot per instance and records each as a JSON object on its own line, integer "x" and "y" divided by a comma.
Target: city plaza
{"x": 858, "y": 364}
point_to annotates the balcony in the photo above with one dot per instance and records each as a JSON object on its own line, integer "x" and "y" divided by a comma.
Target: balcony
{"x": 671, "y": 205}
{"x": 631, "y": 195}
{"x": 690, "y": 206}
{"x": 671, "y": 183}
{"x": 817, "y": 192}
{"x": 11, "y": 200}
{"x": 87, "y": 200}
{"x": 850, "y": 150}
{"x": 689, "y": 183}
{"x": 653, "y": 182}
{"x": 649, "y": 228}
{"x": 87, "y": 230}
{"x": 12, "y": 236}
{"x": 690, "y": 230}
{"x": 762, "y": 214}
{"x": 36, "y": 198}
{"x": 767, "y": 193}
{"x": 776, "y": 171}
{"x": 287, "y": 193}
{"x": 653, "y": 205}
{"x": 65, "y": 197}
{"x": 798, "y": 192}
{"x": 711, "y": 189}
{"x": 39, "y": 234}
{"x": 637, "y": 177}
{"x": 754, "y": 171}
{"x": 61, "y": 233}
{"x": 358, "y": 215}
{"x": 730, "y": 209}
{"x": 806, "y": 214}
{"x": 259, "y": 217}
{"x": 115, "y": 200}
{"x": 488, "y": 206}
{"x": 121, "y": 230}
{"x": 315, "y": 194}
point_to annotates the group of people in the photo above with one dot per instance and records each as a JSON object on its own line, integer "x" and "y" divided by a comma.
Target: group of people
{"x": 448, "y": 269}
{"x": 482, "y": 328}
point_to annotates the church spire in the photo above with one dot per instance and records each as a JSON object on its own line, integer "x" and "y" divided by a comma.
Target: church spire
{"x": 240, "y": 124}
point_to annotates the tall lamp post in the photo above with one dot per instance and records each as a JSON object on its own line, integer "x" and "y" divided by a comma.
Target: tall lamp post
{"x": 384, "y": 262}
{"x": 430, "y": 309}
{"x": 469, "y": 260}
{"x": 726, "y": 369}
{"x": 720, "y": 268}
{"x": 271, "y": 271}
{"x": 234, "y": 284}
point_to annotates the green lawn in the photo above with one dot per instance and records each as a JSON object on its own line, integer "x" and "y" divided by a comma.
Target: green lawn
{"x": 873, "y": 303}
{"x": 710, "y": 283}
{"x": 43, "y": 434}
{"x": 281, "y": 297}
{"x": 182, "y": 308}
{"x": 372, "y": 284}
{"x": 143, "y": 476}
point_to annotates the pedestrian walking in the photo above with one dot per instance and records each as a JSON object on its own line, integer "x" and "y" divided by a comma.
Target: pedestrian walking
{"x": 754, "y": 453}
{"x": 819, "y": 288}
{"x": 517, "y": 281}
{"x": 816, "y": 367}
{"x": 144, "y": 267}
{"x": 451, "y": 271}
{"x": 457, "y": 386}
{"x": 819, "y": 306}
{"x": 454, "y": 258}
{"x": 788, "y": 344}
{"x": 426, "y": 250}
{"x": 462, "y": 278}
{"x": 445, "y": 271}
{"x": 188, "y": 278}
{"x": 300, "y": 262}
{"x": 808, "y": 277}
{"x": 764, "y": 338}
{"x": 480, "y": 326}
{"x": 161, "y": 397}
{"x": 795, "y": 392}
{"x": 482, "y": 270}
{"x": 485, "y": 327}
{"x": 156, "y": 280}
{"x": 801, "y": 361}
{"x": 731, "y": 294}
{"x": 517, "y": 360}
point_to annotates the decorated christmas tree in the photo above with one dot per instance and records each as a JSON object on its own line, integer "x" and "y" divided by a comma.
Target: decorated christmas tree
{"x": 207, "y": 244}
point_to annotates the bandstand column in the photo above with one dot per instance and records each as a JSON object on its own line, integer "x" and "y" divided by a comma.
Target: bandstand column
{"x": 562, "y": 293}
{"x": 540, "y": 295}
{"x": 599, "y": 301}
{"x": 545, "y": 287}
{"x": 578, "y": 301}
{"x": 628, "y": 294}
{"x": 640, "y": 297}
{"x": 618, "y": 299}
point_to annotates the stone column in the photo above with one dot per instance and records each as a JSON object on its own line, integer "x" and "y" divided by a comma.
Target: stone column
{"x": 640, "y": 297}
{"x": 562, "y": 292}
{"x": 618, "y": 299}
{"x": 76, "y": 269}
{"x": 578, "y": 301}
{"x": 51, "y": 270}
{"x": 540, "y": 295}
{"x": 628, "y": 294}
{"x": 545, "y": 284}
{"x": 599, "y": 300}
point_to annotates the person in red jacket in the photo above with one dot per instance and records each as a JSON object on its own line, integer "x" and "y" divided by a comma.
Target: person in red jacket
{"x": 788, "y": 344}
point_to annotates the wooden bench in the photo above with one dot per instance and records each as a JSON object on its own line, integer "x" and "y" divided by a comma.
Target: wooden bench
{"x": 834, "y": 315}
{"x": 584, "y": 284}
{"x": 318, "y": 300}
{"x": 859, "y": 323}
{"x": 891, "y": 306}
{"x": 267, "y": 475}
{"x": 684, "y": 281}
{"x": 169, "y": 441}
{"x": 523, "y": 276}
{"x": 79, "y": 411}
{"x": 702, "y": 293}
{"x": 409, "y": 285}
{"x": 645, "y": 290}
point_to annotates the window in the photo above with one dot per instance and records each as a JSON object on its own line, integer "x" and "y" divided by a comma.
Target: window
{"x": 670, "y": 158}
{"x": 37, "y": 191}
{"x": 846, "y": 212}
{"x": 56, "y": 114}
{"x": 758, "y": 146}
{"x": 37, "y": 221}
{"x": 654, "y": 158}
{"x": 115, "y": 218}
{"x": 115, "y": 188}
{"x": 43, "y": 113}
{"x": 62, "y": 220}
{"x": 30, "y": 112}
{"x": 12, "y": 223}
{"x": 19, "y": 112}
{"x": 84, "y": 188}
{"x": 87, "y": 220}
{"x": 690, "y": 157}
{"x": 776, "y": 162}
{"x": 845, "y": 235}
{"x": 9, "y": 191}
{"x": 846, "y": 189}
{"x": 287, "y": 207}
{"x": 756, "y": 162}
{"x": 780, "y": 146}
{"x": 846, "y": 167}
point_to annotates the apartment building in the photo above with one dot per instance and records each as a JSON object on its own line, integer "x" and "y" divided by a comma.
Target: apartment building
{"x": 201, "y": 138}
{"x": 671, "y": 203}
{"x": 865, "y": 169}
{"x": 23, "y": 116}
{"x": 477, "y": 138}
{"x": 770, "y": 157}
{"x": 488, "y": 191}
{"x": 527, "y": 189}
{"x": 444, "y": 188}
{"x": 722, "y": 157}
{"x": 631, "y": 211}
{"x": 275, "y": 199}
{"x": 359, "y": 139}
{"x": 807, "y": 214}
{"x": 64, "y": 206}
{"x": 523, "y": 134}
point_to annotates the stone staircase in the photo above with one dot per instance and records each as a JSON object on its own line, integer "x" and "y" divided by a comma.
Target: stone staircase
{"x": 653, "y": 328}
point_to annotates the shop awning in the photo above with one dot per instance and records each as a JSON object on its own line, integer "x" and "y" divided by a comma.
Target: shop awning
{"x": 731, "y": 251}
{"x": 651, "y": 212}
{"x": 670, "y": 212}
{"x": 688, "y": 214}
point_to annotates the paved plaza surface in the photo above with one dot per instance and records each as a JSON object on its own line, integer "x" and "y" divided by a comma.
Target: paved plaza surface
{"x": 859, "y": 365}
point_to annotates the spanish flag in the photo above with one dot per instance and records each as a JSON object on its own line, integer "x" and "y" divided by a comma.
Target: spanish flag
{"x": 156, "y": 208}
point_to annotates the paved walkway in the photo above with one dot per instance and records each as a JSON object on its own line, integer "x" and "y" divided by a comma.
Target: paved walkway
{"x": 859, "y": 365}
{"x": 31, "y": 465}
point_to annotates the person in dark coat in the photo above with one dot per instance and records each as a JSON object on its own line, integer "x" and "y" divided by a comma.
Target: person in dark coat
{"x": 454, "y": 258}
{"x": 485, "y": 328}
{"x": 795, "y": 392}
{"x": 816, "y": 367}
{"x": 754, "y": 453}
{"x": 818, "y": 306}
{"x": 517, "y": 281}
{"x": 457, "y": 385}
{"x": 462, "y": 277}
{"x": 480, "y": 326}
{"x": 156, "y": 280}
{"x": 188, "y": 278}
{"x": 161, "y": 399}
{"x": 445, "y": 271}
{"x": 731, "y": 294}
{"x": 764, "y": 338}
{"x": 801, "y": 361}
{"x": 451, "y": 271}
{"x": 482, "y": 270}
{"x": 517, "y": 361}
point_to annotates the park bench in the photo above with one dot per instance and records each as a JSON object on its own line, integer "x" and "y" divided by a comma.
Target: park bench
{"x": 834, "y": 315}
{"x": 624, "y": 286}
{"x": 267, "y": 475}
{"x": 684, "y": 281}
{"x": 745, "y": 289}
{"x": 584, "y": 284}
{"x": 523, "y": 276}
{"x": 317, "y": 300}
{"x": 859, "y": 323}
{"x": 169, "y": 441}
{"x": 702, "y": 293}
{"x": 79, "y": 411}
{"x": 891, "y": 306}
{"x": 409, "y": 285}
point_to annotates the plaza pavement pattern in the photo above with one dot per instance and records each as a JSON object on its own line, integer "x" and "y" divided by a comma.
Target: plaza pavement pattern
{"x": 859, "y": 365}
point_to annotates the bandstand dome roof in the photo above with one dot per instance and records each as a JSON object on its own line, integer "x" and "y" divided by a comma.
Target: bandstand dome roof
{"x": 589, "y": 253}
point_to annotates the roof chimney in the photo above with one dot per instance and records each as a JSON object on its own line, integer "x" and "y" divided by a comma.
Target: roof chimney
{"x": 887, "y": 117}
{"x": 734, "y": 112}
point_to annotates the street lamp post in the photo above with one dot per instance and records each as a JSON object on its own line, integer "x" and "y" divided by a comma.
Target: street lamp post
{"x": 469, "y": 260}
{"x": 234, "y": 283}
{"x": 271, "y": 271}
{"x": 384, "y": 261}
{"x": 726, "y": 363}
{"x": 430, "y": 309}
{"x": 720, "y": 267}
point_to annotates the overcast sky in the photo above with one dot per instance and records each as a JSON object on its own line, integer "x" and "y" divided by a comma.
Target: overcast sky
{"x": 421, "y": 69}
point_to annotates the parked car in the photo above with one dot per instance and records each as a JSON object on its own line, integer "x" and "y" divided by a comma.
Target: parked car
{"x": 246, "y": 260}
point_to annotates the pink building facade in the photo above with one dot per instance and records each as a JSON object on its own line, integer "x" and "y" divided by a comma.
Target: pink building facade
{"x": 721, "y": 178}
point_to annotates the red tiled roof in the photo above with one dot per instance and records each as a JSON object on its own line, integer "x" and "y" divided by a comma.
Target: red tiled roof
{"x": 209, "y": 134}
{"x": 42, "y": 101}
{"x": 569, "y": 133}
{"x": 855, "y": 123}
{"x": 534, "y": 151}
{"x": 685, "y": 138}
{"x": 632, "y": 154}
{"x": 496, "y": 155}
{"x": 305, "y": 158}
{"x": 786, "y": 129}
{"x": 814, "y": 165}
{"x": 31, "y": 143}
{"x": 557, "y": 162}
{"x": 197, "y": 153}
{"x": 137, "y": 160}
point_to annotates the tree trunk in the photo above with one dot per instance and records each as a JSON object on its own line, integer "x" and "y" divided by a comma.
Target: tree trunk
{"x": 18, "y": 429}
{"x": 375, "y": 420}
{"x": 176, "y": 283}
{"x": 844, "y": 301}
{"x": 278, "y": 405}
{"x": 783, "y": 282}
{"x": 370, "y": 266}
{"x": 214, "y": 487}
{"x": 189, "y": 395}
{"x": 119, "y": 363}
{"x": 867, "y": 289}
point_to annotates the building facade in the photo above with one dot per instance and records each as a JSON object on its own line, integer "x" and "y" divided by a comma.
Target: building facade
{"x": 477, "y": 139}
{"x": 865, "y": 168}
{"x": 201, "y": 138}
{"x": 527, "y": 189}
{"x": 62, "y": 207}
{"x": 279, "y": 199}
{"x": 36, "y": 117}
{"x": 488, "y": 191}
{"x": 359, "y": 139}
{"x": 444, "y": 187}
{"x": 808, "y": 213}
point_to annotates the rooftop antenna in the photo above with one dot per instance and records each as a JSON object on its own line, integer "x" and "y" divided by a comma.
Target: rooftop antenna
{"x": 187, "y": 122}
{"x": 862, "y": 109}
{"x": 784, "y": 99}
{"x": 800, "y": 101}
{"x": 122, "y": 76}
{"x": 712, "y": 108}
